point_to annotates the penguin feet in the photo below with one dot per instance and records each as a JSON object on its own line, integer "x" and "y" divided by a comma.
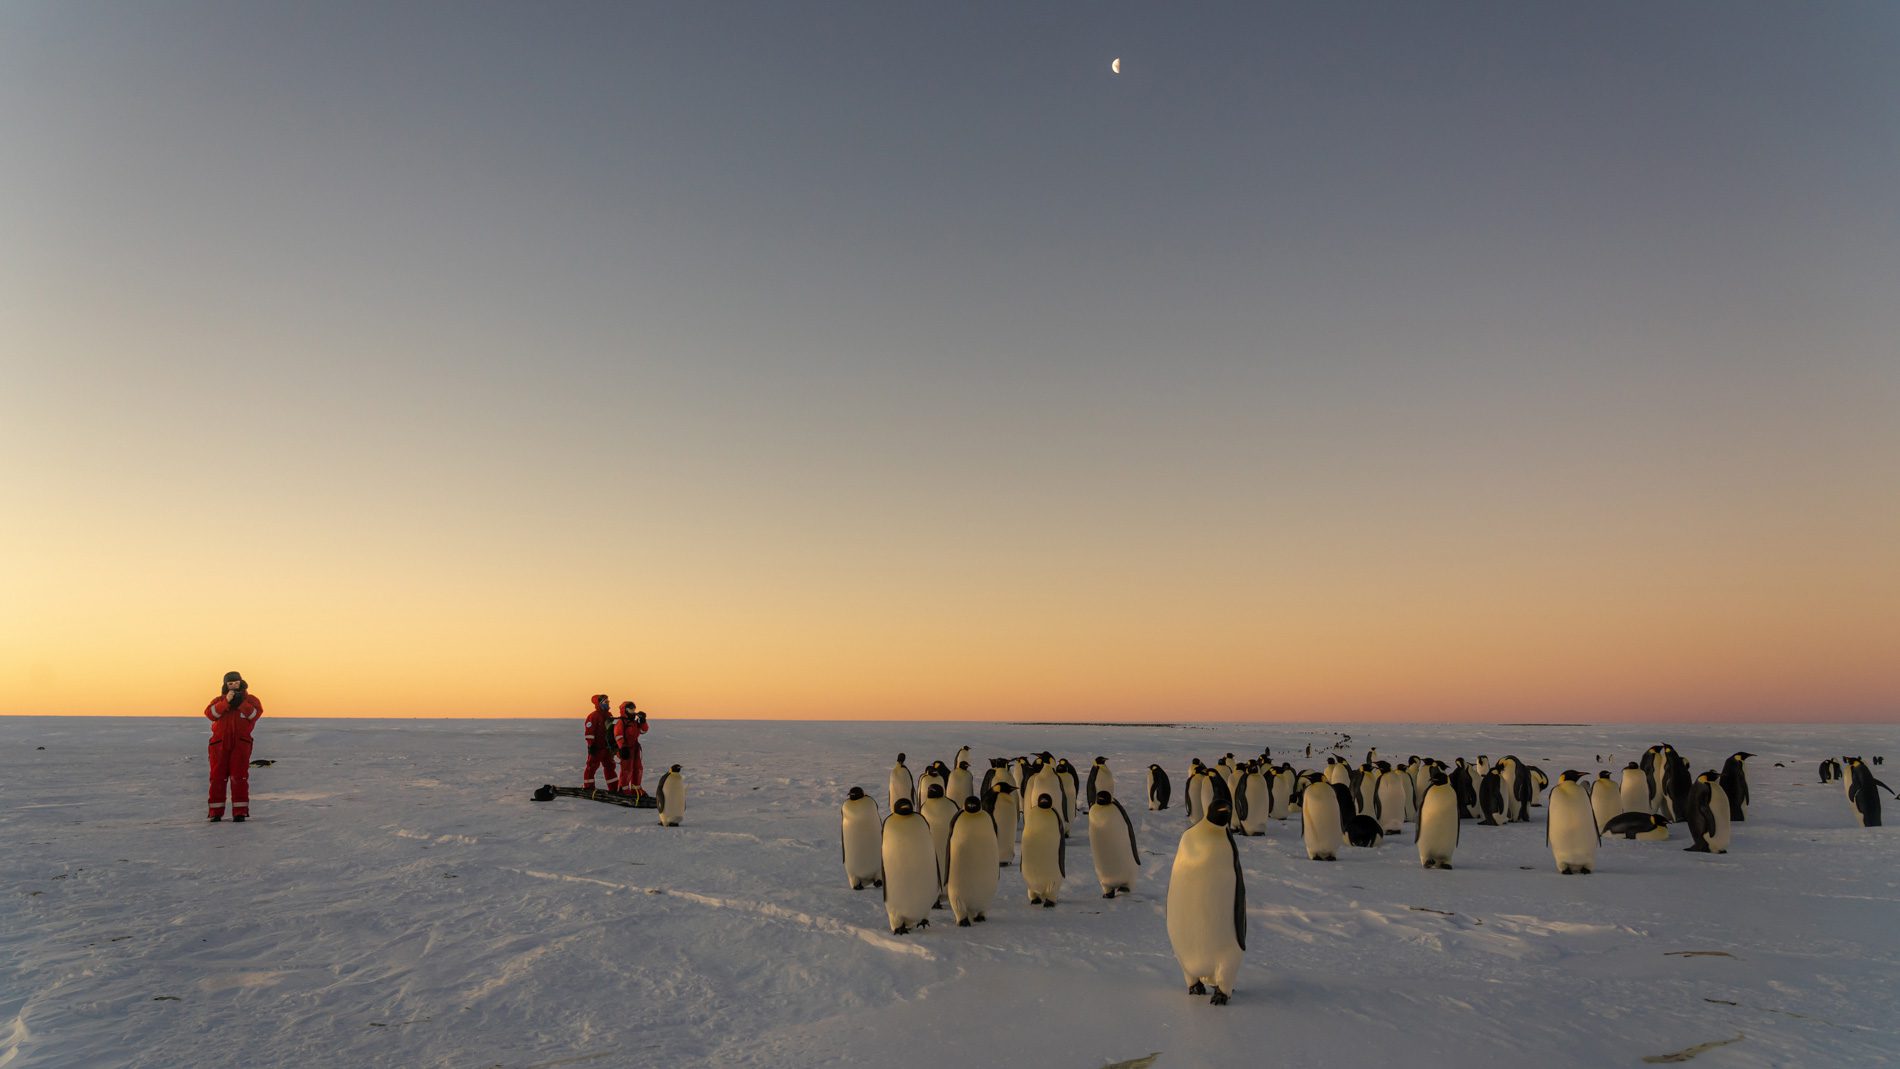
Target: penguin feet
{"x": 1035, "y": 900}
{"x": 1586, "y": 872}
{"x": 905, "y": 930}
{"x": 1219, "y": 998}
{"x": 1444, "y": 864}
{"x": 1431, "y": 864}
{"x": 1199, "y": 988}
{"x": 877, "y": 883}
{"x": 1048, "y": 903}
{"x": 964, "y": 923}
{"x": 1108, "y": 894}
{"x": 857, "y": 885}
{"x": 1564, "y": 870}
{"x": 925, "y": 923}
{"x": 980, "y": 918}
{"x": 937, "y": 906}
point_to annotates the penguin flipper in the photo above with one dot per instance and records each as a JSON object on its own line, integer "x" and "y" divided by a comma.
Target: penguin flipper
{"x": 1062, "y": 855}
{"x": 1240, "y": 897}
{"x": 1132, "y": 848}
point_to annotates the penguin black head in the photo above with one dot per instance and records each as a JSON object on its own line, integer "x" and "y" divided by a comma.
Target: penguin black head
{"x": 1101, "y": 760}
{"x": 1218, "y": 813}
{"x": 1633, "y": 765}
{"x": 1043, "y": 801}
{"x": 964, "y": 765}
{"x": 1439, "y": 778}
{"x": 1571, "y": 776}
{"x": 972, "y": 805}
{"x": 1154, "y": 768}
{"x": 900, "y": 759}
{"x": 856, "y": 793}
{"x": 936, "y": 791}
{"x": 901, "y": 807}
{"x": 1005, "y": 787}
{"x": 676, "y": 768}
{"x": 1740, "y": 755}
{"x": 1103, "y": 798}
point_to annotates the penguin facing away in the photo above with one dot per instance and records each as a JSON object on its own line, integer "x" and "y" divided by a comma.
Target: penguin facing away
{"x": 861, "y": 836}
{"x": 971, "y": 884}
{"x": 1159, "y": 789}
{"x": 671, "y": 796}
{"x": 910, "y": 869}
{"x": 1112, "y": 845}
{"x": 1207, "y": 907}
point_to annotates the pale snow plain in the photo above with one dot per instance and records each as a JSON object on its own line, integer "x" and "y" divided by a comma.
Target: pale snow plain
{"x": 399, "y": 900}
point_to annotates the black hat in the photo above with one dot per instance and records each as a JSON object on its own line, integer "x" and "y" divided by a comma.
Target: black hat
{"x": 233, "y": 677}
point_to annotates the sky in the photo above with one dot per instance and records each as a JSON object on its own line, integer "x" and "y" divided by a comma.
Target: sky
{"x": 1474, "y": 361}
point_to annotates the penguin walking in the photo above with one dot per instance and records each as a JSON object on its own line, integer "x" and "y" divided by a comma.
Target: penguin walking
{"x": 1207, "y": 907}
{"x": 1863, "y": 791}
{"x": 1708, "y": 815}
{"x": 902, "y": 784}
{"x": 1159, "y": 789}
{"x": 1436, "y": 834}
{"x": 1321, "y": 828}
{"x": 940, "y": 813}
{"x": 1606, "y": 799}
{"x": 1003, "y": 803}
{"x": 910, "y": 869}
{"x": 1112, "y": 845}
{"x": 861, "y": 834}
{"x": 971, "y": 883}
{"x": 1734, "y": 782}
{"x": 1571, "y": 828}
{"x": 1044, "y": 864}
{"x": 671, "y": 795}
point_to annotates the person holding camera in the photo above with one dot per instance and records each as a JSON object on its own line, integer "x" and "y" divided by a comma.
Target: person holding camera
{"x": 628, "y": 727}
{"x": 233, "y": 715}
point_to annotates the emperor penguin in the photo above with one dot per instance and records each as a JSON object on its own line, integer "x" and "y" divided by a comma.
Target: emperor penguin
{"x": 902, "y": 784}
{"x": 862, "y": 835}
{"x": 1571, "y": 828}
{"x": 1491, "y": 799}
{"x": 1863, "y": 791}
{"x": 1437, "y": 832}
{"x": 910, "y": 869}
{"x": 1199, "y": 792}
{"x": 963, "y": 755}
{"x": 1003, "y": 803}
{"x": 1159, "y": 789}
{"x": 936, "y": 774}
{"x": 1735, "y": 784}
{"x": 1638, "y": 824}
{"x": 1827, "y": 771}
{"x": 974, "y": 862}
{"x": 1207, "y": 907}
{"x": 1253, "y": 802}
{"x": 1635, "y": 787}
{"x": 671, "y": 796}
{"x": 1041, "y": 783}
{"x": 1066, "y": 776}
{"x": 1539, "y": 781}
{"x": 939, "y": 813}
{"x": 962, "y": 784}
{"x": 1517, "y": 789}
{"x": 1467, "y": 791}
{"x": 1708, "y": 815}
{"x": 1338, "y": 771}
{"x": 1112, "y": 845}
{"x": 1281, "y": 783}
{"x": 1606, "y": 799}
{"x": 1393, "y": 789}
{"x": 1101, "y": 778}
{"x": 1321, "y": 826}
{"x": 1044, "y": 863}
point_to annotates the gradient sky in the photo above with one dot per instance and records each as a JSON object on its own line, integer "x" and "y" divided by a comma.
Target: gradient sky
{"x": 1369, "y": 361}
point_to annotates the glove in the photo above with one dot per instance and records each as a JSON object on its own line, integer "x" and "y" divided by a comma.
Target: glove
{"x": 626, "y": 753}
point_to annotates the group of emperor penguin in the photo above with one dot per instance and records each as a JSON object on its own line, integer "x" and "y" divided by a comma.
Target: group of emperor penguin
{"x": 948, "y": 834}
{"x": 1856, "y": 776}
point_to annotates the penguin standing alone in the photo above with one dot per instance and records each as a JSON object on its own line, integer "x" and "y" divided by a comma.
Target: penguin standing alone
{"x": 671, "y": 795}
{"x": 1159, "y": 789}
{"x": 1112, "y": 845}
{"x": 861, "y": 835}
{"x": 1734, "y": 782}
{"x": 1207, "y": 907}
{"x": 971, "y": 884}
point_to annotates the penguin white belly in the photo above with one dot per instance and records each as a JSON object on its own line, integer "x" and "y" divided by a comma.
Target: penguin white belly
{"x": 910, "y": 871}
{"x": 1282, "y": 796}
{"x": 973, "y": 866}
{"x": 672, "y": 792}
{"x": 863, "y": 843}
{"x": 1199, "y": 791}
{"x": 1572, "y": 829}
{"x": 939, "y": 812}
{"x": 1111, "y": 849}
{"x": 1438, "y": 826}
{"x": 1320, "y": 825}
{"x": 1202, "y": 893}
{"x": 962, "y": 785}
{"x": 1393, "y": 788}
{"x": 1607, "y": 802}
{"x": 1718, "y": 807}
{"x": 1104, "y": 781}
{"x": 1042, "y": 854}
{"x": 1636, "y": 791}
{"x": 901, "y": 786}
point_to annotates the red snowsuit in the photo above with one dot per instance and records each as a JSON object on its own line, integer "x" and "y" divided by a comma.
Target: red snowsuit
{"x": 600, "y": 748}
{"x": 627, "y": 732}
{"x": 230, "y": 752}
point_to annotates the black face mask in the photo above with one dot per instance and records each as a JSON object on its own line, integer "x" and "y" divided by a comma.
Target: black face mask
{"x": 236, "y": 697}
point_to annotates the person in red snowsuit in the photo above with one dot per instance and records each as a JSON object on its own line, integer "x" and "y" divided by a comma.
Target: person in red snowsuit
{"x": 598, "y": 732}
{"x": 233, "y": 717}
{"x": 628, "y": 727}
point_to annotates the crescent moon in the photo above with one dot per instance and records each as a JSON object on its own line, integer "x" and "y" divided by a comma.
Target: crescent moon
{"x": 1116, "y": 66}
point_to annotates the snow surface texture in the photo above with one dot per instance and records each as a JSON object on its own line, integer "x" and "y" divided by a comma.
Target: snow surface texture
{"x": 398, "y": 900}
